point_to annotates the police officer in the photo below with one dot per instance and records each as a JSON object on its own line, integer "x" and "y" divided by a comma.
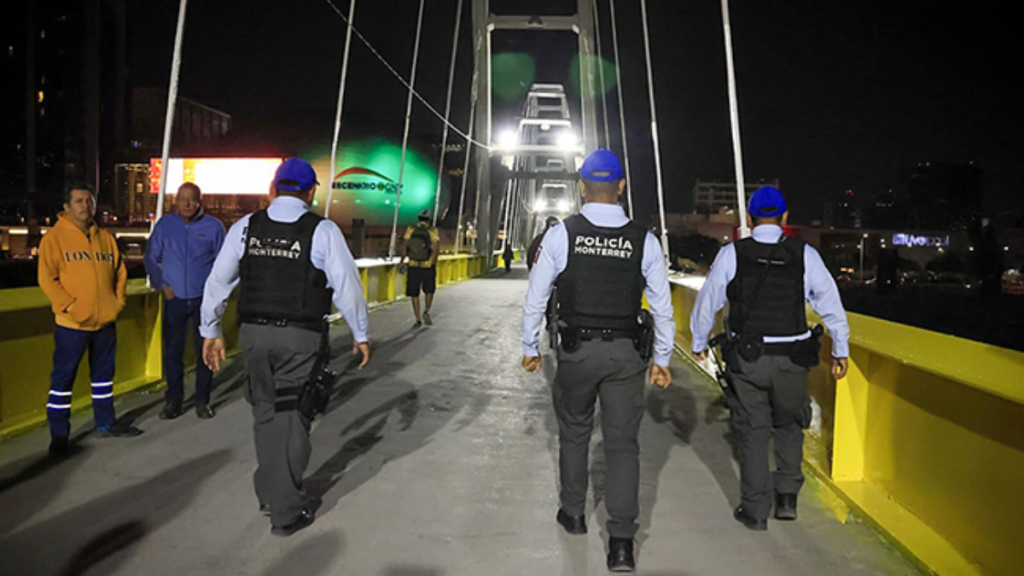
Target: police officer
{"x": 531, "y": 252}
{"x": 601, "y": 263}
{"x": 766, "y": 279}
{"x": 292, "y": 264}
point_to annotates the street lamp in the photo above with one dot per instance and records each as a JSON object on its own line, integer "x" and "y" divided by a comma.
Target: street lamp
{"x": 865, "y": 237}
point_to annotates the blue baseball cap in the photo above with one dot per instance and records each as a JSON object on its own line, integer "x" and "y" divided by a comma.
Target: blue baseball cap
{"x": 295, "y": 175}
{"x": 766, "y": 202}
{"x": 601, "y": 166}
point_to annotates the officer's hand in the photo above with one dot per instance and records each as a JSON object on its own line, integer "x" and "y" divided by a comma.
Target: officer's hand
{"x": 213, "y": 353}
{"x": 661, "y": 376}
{"x": 839, "y": 367}
{"x": 402, "y": 268}
{"x": 532, "y": 363}
{"x": 169, "y": 293}
{"x": 701, "y": 356}
{"x": 364, "y": 349}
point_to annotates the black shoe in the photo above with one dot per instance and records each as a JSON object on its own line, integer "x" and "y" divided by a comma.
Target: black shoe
{"x": 305, "y": 518}
{"x": 265, "y": 510}
{"x": 427, "y": 319}
{"x": 572, "y": 524}
{"x": 417, "y": 324}
{"x": 785, "y": 506}
{"x": 620, "y": 555}
{"x": 117, "y": 431}
{"x": 204, "y": 411}
{"x": 59, "y": 445}
{"x": 171, "y": 411}
{"x": 752, "y": 524}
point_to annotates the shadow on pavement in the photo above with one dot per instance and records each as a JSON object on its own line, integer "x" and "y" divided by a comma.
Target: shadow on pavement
{"x": 105, "y": 529}
{"x": 313, "y": 557}
{"x": 392, "y": 418}
{"x": 575, "y": 554}
{"x": 48, "y": 476}
{"x": 106, "y": 544}
{"x": 411, "y": 571}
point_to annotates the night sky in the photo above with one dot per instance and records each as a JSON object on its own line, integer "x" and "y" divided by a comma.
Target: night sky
{"x": 833, "y": 96}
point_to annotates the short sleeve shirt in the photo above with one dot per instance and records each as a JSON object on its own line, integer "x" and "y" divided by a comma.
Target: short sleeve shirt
{"x": 435, "y": 239}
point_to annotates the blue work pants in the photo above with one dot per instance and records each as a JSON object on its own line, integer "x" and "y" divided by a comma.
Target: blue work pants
{"x": 70, "y": 346}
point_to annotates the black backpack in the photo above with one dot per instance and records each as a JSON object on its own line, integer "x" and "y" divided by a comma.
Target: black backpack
{"x": 419, "y": 246}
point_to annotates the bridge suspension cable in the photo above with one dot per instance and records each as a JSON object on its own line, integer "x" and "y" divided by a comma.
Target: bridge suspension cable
{"x": 405, "y": 131}
{"x": 654, "y": 129}
{"x": 448, "y": 108}
{"x": 404, "y": 82}
{"x": 341, "y": 101}
{"x": 622, "y": 108}
{"x": 600, "y": 73}
{"x": 734, "y": 117}
{"x": 172, "y": 97}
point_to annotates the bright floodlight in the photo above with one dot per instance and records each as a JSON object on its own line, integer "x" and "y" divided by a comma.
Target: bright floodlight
{"x": 540, "y": 205}
{"x": 568, "y": 141}
{"x": 508, "y": 139}
{"x": 563, "y": 206}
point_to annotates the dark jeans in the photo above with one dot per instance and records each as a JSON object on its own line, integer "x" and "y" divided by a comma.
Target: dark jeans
{"x": 70, "y": 346}
{"x": 613, "y": 372}
{"x": 771, "y": 401}
{"x": 177, "y": 314}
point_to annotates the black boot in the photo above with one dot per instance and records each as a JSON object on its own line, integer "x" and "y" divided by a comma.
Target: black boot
{"x": 785, "y": 506}
{"x": 750, "y": 522}
{"x": 59, "y": 445}
{"x": 620, "y": 555}
{"x": 305, "y": 518}
{"x": 205, "y": 411}
{"x": 572, "y": 524}
{"x": 171, "y": 410}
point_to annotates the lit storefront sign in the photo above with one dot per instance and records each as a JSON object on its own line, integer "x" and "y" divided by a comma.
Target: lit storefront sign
{"x": 915, "y": 241}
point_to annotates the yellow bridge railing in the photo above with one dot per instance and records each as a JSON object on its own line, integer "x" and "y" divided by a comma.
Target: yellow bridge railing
{"x": 26, "y": 338}
{"x": 924, "y": 437}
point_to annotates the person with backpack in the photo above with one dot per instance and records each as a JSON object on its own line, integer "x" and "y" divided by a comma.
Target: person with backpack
{"x": 422, "y": 246}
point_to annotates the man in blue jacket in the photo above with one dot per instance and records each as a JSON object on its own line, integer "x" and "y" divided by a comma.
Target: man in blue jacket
{"x": 179, "y": 258}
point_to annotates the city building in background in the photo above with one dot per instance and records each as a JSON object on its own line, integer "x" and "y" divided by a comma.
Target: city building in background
{"x": 64, "y": 98}
{"x": 713, "y": 197}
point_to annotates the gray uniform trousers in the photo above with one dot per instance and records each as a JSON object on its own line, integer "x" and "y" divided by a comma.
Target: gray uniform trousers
{"x": 771, "y": 400}
{"x": 279, "y": 357}
{"x": 614, "y": 372}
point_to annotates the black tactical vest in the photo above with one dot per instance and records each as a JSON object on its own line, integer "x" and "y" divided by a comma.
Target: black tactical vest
{"x": 779, "y": 307}
{"x": 278, "y": 280}
{"x": 603, "y": 283}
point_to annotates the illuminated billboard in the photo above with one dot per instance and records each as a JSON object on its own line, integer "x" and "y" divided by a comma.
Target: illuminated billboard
{"x": 364, "y": 186}
{"x": 365, "y": 183}
{"x": 224, "y": 176}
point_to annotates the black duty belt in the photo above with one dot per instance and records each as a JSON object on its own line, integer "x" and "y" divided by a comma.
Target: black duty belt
{"x": 313, "y": 325}
{"x": 587, "y": 334}
{"x": 778, "y": 348}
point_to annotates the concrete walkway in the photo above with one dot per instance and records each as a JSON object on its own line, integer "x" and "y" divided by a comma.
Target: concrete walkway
{"x": 437, "y": 460}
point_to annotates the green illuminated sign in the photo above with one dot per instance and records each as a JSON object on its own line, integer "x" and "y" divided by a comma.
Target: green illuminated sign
{"x": 365, "y": 184}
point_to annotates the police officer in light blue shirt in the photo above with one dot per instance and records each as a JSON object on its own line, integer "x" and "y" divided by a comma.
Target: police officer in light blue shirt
{"x": 766, "y": 279}
{"x": 290, "y": 264}
{"x": 602, "y": 264}
{"x": 179, "y": 257}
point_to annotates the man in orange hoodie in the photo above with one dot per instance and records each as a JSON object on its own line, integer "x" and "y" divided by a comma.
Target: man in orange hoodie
{"x": 83, "y": 275}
